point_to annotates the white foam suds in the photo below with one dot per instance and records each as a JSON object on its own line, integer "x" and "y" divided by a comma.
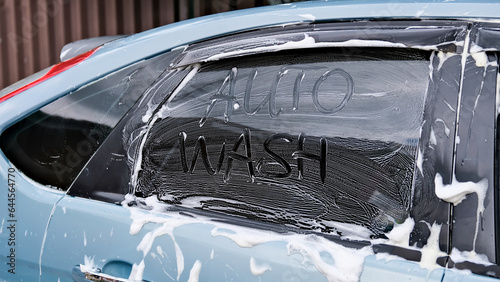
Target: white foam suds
{"x": 194, "y": 274}
{"x": 431, "y": 252}
{"x": 386, "y": 257}
{"x": 420, "y": 161}
{"x": 498, "y": 93}
{"x": 164, "y": 110}
{"x": 351, "y": 231}
{"x": 335, "y": 261}
{"x": 446, "y": 128}
{"x": 432, "y": 138}
{"x": 421, "y": 12}
{"x": 449, "y": 106}
{"x": 308, "y": 17}
{"x": 248, "y": 239}
{"x": 375, "y": 94}
{"x": 463, "y": 61}
{"x": 160, "y": 251}
{"x": 181, "y": 48}
{"x": 45, "y": 238}
{"x": 137, "y": 271}
{"x": 480, "y": 58}
{"x": 307, "y": 42}
{"x": 138, "y": 159}
{"x": 348, "y": 262}
{"x": 471, "y": 256}
{"x": 443, "y": 56}
{"x": 456, "y": 192}
{"x": 88, "y": 265}
{"x": 400, "y": 234}
{"x": 258, "y": 269}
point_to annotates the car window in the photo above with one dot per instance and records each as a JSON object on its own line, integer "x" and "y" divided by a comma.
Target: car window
{"x": 107, "y": 175}
{"x": 303, "y": 138}
{"x": 53, "y": 144}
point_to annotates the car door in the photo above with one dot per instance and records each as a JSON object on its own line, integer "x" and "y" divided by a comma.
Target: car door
{"x": 287, "y": 154}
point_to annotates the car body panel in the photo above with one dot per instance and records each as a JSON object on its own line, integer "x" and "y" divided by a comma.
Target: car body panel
{"x": 377, "y": 268}
{"x": 170, "y": 255}
{"x": 33, "y": 206}
{"x": 63, "y": 222}
{"x": 169, "y": 246}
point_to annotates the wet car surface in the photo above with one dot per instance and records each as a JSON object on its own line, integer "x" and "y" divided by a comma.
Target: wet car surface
{"x": 313, "y": 142}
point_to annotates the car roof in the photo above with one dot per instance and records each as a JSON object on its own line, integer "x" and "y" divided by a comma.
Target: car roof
{"x": 126, "y": 51}
{"x": 186, "y": 32}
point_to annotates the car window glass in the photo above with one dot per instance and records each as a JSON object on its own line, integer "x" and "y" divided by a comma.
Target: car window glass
{"x": 302, "y": 138}
{"x": 52, "y": 145}
{"x": 106, "y": 177}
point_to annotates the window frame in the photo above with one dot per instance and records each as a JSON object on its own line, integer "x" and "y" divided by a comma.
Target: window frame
{"x": 477, "y": 153}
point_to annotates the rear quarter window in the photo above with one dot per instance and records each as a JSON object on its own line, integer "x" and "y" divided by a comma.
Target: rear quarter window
{"x": 53, "y": 144}
{"x": 303, "y": 138}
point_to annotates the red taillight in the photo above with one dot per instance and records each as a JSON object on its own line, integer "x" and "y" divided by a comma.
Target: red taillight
{"x": 56, "y": 69}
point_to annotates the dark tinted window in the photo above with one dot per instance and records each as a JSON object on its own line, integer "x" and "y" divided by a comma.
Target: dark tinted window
{"x": 106, "y": 177}
{"x": 304, "y": 138}
{"x": 53, "y": 144}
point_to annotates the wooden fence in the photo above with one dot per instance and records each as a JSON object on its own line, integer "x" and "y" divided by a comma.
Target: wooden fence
{"x": 32, "y": 32}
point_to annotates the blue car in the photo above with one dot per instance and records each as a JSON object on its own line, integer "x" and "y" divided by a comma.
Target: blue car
{"x": 320, "y": 141}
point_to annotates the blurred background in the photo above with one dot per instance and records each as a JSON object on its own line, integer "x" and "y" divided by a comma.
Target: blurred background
{"x": 33, "y": 32}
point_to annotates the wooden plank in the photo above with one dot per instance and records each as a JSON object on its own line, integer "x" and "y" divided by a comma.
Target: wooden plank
{"x": 207, "y": 4}
{"x": 41, "y": 22}
{"x": 197, "y": 8}
{"x": 245, "y": 4}
{"x": 128, "y": 17}
{"x": 167, "y": 12}
{"x": 146, "y": 15}
{"x": 258, "y": 3}
{"x": 67, "y": 20}
{"x": 57, "y": 13}
{"x": 183, "y": 10}
{"x": 111, "y": 24}
{"x": 220, "y": 6}
{"x": 42, "y": 10}
{"x": 75, "y": 20}
{"x": 3, "y": 42}
{"x": 233, "y": 5}
{"x": 84, "y": 18}
{"x": 101, "y": 17}
{"x": 156, "y": 13}
{"x": 27, "y": 52}
{"x": 15, "y": 41}
{"x": 92, "y": 20}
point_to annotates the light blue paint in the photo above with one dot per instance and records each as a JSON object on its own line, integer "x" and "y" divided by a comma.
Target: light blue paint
{"x": 34, "y": 204}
